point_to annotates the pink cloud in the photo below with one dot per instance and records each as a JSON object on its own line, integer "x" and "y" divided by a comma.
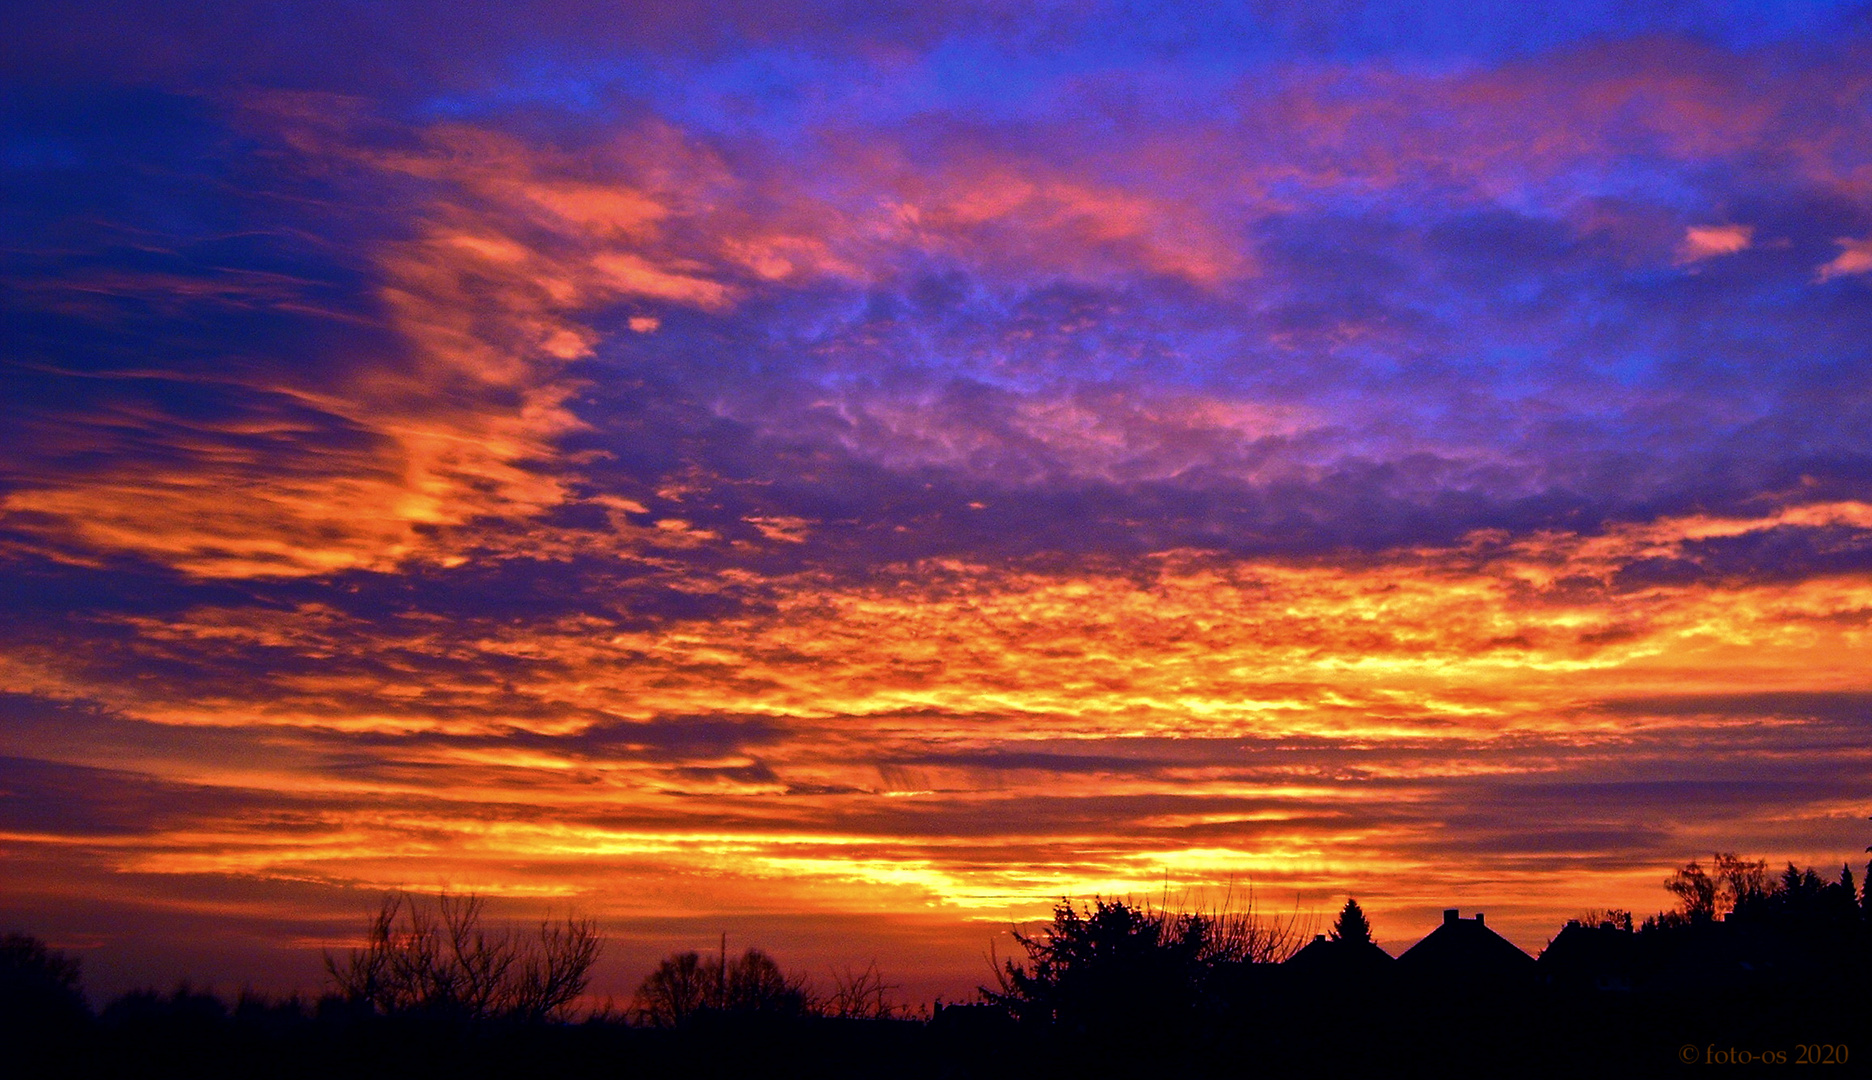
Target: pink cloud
{"x": 1710, "y": 241}
{"x": 1854, "y": 258}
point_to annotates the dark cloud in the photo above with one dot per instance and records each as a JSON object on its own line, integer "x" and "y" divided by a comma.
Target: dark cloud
{"x": 53, "y": 798}
{"x": 1846, "y": 707}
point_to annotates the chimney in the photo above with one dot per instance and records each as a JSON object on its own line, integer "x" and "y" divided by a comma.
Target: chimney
{"x": 1478, "y": 916}
{"x": 1318, "y": 938}
{"x": 1450, "y": 915}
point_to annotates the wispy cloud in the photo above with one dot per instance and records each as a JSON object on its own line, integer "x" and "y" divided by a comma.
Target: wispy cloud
{"x": 1855, "y": 257}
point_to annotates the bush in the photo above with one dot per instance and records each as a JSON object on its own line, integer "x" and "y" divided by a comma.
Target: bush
{"x": 687, "y": 984}
{"x": 39, "y": 989}
{"x": 1110, "y": 967}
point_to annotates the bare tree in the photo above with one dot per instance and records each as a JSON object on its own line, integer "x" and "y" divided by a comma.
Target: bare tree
{"x": 1233, "y": 929}
{"x": 756, "y": 984}
{"x": 1739, "y": 882}
{"x": 1615, "y": 918}
{"x": 861, "y": 995}
{"x": 1732, "y": 883}
{"x": 1695, "y": 891}
{"x": 1238, "y": 932}
{"x": 439, "y": 957}
{"x": 554, "y": 975}
{"x": 681, "y": 986}
{"x": 688, "y": 983}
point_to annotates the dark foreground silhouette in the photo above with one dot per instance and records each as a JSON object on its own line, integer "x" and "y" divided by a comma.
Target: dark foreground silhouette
{"x": 1750, "y": 972}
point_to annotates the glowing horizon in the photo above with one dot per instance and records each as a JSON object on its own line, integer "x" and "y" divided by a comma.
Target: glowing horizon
{"x": 850, "y": 480}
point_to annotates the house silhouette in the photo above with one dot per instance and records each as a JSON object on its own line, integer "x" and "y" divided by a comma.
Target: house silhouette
{"x": 1465, "y": 952}
{"x": 1602, "y": 958}
{"x": 1332, "y": 960}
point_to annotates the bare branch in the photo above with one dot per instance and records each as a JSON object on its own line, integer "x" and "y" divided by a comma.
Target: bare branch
{"x": 440, "y": 957}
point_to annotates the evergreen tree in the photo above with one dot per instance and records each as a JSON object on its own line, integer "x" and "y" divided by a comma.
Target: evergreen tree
{"x": 1352, "y": 925}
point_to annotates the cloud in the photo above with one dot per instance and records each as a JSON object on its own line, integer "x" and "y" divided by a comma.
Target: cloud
{"x": 1028, "y": 313}
{"x": 821, "y": 462}
{"x": 1855, "y": 258}
{"x": 1710, "y": 241}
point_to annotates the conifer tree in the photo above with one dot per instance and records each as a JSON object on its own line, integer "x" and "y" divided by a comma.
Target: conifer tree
{"x": 1351, "y": 925}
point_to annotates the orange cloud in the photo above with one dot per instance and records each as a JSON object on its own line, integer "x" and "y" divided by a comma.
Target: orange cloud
{"x": 462, "y": 424}
{"x": 910, "y": 736}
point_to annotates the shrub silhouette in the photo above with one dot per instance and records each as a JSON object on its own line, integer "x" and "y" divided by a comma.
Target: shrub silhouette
{"x": 40, "y": 993}
{"x": 187, "y": 1008}
{"x": 685, "y": 985}
{"x": 1111, "y": 969}
{"x": 437, "y": 958}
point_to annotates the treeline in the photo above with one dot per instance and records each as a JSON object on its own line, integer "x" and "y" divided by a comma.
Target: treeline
{"x": 1748, "y": 962}
{"x": 437, "y": 989}
{"x": 438, "y": 958}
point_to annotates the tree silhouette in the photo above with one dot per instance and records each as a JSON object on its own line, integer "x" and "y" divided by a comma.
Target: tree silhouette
{"x": 1111, "y": 968}
{"x": 1739, "y": 882}
{"x": 757, "y": 985}
{"x": 1103, "y": 968}
{"x": 40, "y": 992}
{"x": 681, "y": 986}
{"x": 553, "y": 975}
{"x": 1351, "y": 926}
{"x": 687, "y": 984}
{"x": 1800, "y": 885}
{"x": 1695, "y": 891}
{"x": 438, "y": 958}
{"x": 1732, "y": 883}
{"x": 861, "y": 995}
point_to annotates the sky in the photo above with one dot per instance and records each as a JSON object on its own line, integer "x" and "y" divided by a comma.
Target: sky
{"x": 847, "y": 476}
